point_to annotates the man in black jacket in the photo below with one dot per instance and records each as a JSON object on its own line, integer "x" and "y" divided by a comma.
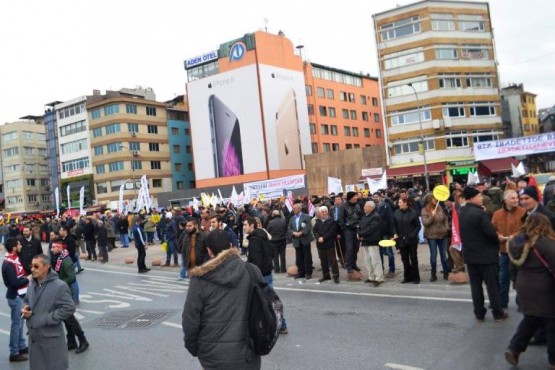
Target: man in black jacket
{"x": 30, "y": 247}
{"x": 90, "y": 240}
{"x": 350, "y": 220}
{"x": 480, "y": 247}
{"x": 325, "y": 232}
{"x": 386, "y": 213}
{"x": 193, "y": 247}
{"x": 370, "y": 233}
{"x": 277, "y": 227}
{"x": 336, "y": 214}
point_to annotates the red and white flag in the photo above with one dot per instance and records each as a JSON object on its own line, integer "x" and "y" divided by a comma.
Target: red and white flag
{"x": 289, "y": 200}
{"x": 311, "y": 208}
{"x": 455, "y": 231}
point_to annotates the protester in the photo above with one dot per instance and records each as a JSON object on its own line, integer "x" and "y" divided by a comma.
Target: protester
{"x": 277, "y": 227}
{"x": 436, "y": 228}
{"x": 30, "y": 247}
{"x": 325, "y": 233}
{"x": 370, "y": 233}
{"x": 300, "y": 232}
{"x": 140, "y": 243}
{"x": 406, "y": 226}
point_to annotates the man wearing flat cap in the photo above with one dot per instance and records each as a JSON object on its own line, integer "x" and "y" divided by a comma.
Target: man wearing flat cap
{"x": 480, "y": 247}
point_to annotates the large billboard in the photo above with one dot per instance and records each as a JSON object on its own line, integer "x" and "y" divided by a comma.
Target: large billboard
{"x": 226, "y": 124}
{"x": 285, "y": 117}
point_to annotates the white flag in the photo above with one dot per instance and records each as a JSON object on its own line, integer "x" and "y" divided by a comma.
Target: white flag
{"x": 377, "y": 184}
{"x": 120, "y": 203}
{"x": 81, "y": 200}
{"x": 334, "y": 185}
{"x": 472, "y": 178}
{"x": 68, "y": 198}
{"x": 57, "y": 198}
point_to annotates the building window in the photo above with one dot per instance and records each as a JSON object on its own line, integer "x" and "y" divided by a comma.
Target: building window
{"x": 130, "y": 109}
{"x": 342, "y": 96}
{"x": 334, "y": 130}
{"x": 478, "y": 80}
{"x": 484, "y": 135}
{"x": 32, "y": 198}
{"x": 456, "y": 139}
{"x": 75, "y": 164}
{"x": 453, "y": 110}
{"x": 97, "y": 132}
{"x": 365, "y": 116}
{"x": 188, "y": 149}
{"x": 95, "y": 113}
{"x": 482, "y": 109}
{"x": 355, "y": 131}
{"x": 400, "y": 28}
{"x": 74, "y": 146}
{"x": 366, "y": 132}
{"x": 187, "y": 132}
{"x": 312, "y": 128}
{"x": 353, "y": 114}
{"x": 314, "y": 147}
{"x": 175, "y": 131}
{"x": 348, "y": 146}
{"x": 345, "y": 113}
{"x": 28, "y": 150}
{"x": 152, "y": 129}
{"x": 347, "y": 131}
{"x": 27, "y": 135}
{"x": 308, "y": 90}
{"x": 447, "y": 81}
{"x": 9, "y": 136}
{"x": 100, "y": 169}
{"x": 113, "y": 128}
{"x": 153, "y": 147}
{"x": 412, "y": 147}
{"x": 101, "y": 187}
{"x": 31, "y": 182}
{"x": 190, "y": 167}
{"x": 176, "y": 149}
{"x": 11, "y": 152}
{"x": 133, "y": 127}
{"x": 99, "y": 150}
{"x": 133, "y": 145}
{"x": 115, "y": 166}
{"x": 447, "y": 52}
{"x": 335, "y": 147}
{"x": 474, "y": 51}
{"x": 405, "y": 59}
{"x": 326, "y": 147}
{"x": 111, "y": 109}
{"x": 323, "y": 111}
{"x": 378, "y": 133}
{"x": 45, "y": 198}
{"x": 343, "y": 78}
{"x": 329, "y": 93}
{"x": 150, "y": 111}
{"x": 179, "y": 185}
{"x": 115, "y": 185}
{"x": 136, "y": 165}
{"x": 376, "y": 117}
{"x": 363, "y": 100}
{"x": 472, "y": 23}
{"x": 374, "y": 102}
{"x": 401, "y": 88}
{"x": 114, "y": 147}
{"x": 324, "y": 129}
{"x": 410, "y": 116}
{"x": 321, "y": 92}
{"x": 155, "y": 165}
{"x": 443, "y": 22}
{"x": 331, "y": 111}
{"x": 156, "y": 183}
{"x": 178, "y": 167}
{"x": 310, "y": 108}
{"x": 13, "y": 184}
{"x": 351, "y": 98}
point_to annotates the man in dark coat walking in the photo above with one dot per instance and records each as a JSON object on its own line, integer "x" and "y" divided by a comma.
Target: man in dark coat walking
{"x": 481, "y": 254}
{"x": 325, "y": 233}
{"x": 277, "y": 227}
{"x": 30, "y": 247}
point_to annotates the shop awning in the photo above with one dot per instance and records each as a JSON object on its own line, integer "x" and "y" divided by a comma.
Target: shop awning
{"x": 498, "y": 165}
{"x": 410, "y": 171}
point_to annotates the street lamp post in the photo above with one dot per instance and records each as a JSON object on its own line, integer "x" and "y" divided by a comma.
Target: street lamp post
{"x": 427, "y": 176}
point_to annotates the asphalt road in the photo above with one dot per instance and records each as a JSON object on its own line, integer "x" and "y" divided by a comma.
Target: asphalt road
{"x": 347, "y": 326}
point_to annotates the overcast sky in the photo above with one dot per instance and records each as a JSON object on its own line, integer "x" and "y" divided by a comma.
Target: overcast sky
{"x": 62, "y": 49}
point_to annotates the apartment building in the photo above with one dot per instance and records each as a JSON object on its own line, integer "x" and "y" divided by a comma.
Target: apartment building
{"x": 25, "y": 166}
{"x": 128, "y": 138}
{"x": 440, "y": 88}
{"x": 181, "y": 153}
{"x": 519, "y": 111}
{"x": 344, "y": 109}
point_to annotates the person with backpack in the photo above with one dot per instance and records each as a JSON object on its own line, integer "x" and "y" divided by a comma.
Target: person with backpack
{"x": 216, "y": 310}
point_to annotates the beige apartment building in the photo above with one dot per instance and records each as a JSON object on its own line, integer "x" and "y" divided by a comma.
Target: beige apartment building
{"x": 519, "y": 111}
{"x": 25, "y": 166}
{"x": 129, "y": 139}
{"x": 440, "y": 88}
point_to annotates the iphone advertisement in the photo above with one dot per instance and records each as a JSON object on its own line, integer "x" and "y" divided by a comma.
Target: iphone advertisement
{"x": 226, "y": 122}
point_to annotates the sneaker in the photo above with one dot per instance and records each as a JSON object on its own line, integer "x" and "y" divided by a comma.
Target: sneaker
{"x": 336, "y": 280}
{"x": 24, "y": 351}
{"x": 322, "y": 279}
{"x": 512, "y": 357}
{"x": 18, "y": 358}
{"x": 283, "y": 331}
{"x": 180, "y": 279}
{"x": 503, "y": 316}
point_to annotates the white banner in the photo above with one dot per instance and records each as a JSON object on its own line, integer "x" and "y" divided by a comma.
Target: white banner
{"x": 147, "y": 202}
{"x": 377, "y": 184}
{"x": 81, "y": 200}
{"x": 57, "y": 198}
{"x": 517, "y": 146}
{"x": 273, "y": 188}
{"x": 334, "y": 185}
{"x": 68, "y": 198}
{"x": 120, "y": 203}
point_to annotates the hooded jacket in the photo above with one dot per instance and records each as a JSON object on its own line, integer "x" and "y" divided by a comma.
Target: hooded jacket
{"x": 260, "y": 251}
{"x": 215, "y": 315}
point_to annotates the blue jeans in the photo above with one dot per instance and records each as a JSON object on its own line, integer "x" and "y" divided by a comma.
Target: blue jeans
{"x": 504, "y": 279}
{"x": 77, "y": 264}
{"x": 269, "y": 279}
{"x": 182, "y": 270}
{"x": 390, "y": 256}
{"x": 172, "y": 250}
{"x": 17, "y": 339}
{"x": 75, "y": 291}
{"x": 436, "y": 244}
{"x": 124, "y": 240}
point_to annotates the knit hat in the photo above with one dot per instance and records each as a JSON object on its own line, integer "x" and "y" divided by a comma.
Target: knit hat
{"x": 350, "y": 195}
{"x": 470, "y": 192}
{"x": 531, "y": 191}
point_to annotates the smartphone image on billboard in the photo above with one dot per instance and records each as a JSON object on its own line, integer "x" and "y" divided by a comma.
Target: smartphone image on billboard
{"x": 226, "y": 139}
{"x": 287, "y": 133}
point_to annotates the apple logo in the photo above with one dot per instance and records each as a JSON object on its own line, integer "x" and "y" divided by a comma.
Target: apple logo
{"x": 210, "y": 85}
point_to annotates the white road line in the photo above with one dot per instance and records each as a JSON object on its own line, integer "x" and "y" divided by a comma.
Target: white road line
{"x": 171, "y": 324}
{"x": 5, "y": 315}
{"x": 423, "y": 298}
{"x": 143, "y": 291}
{"x": 2, "y": 331}
{"x": 402, "y": 367}
{"x": 91, "y": 311}
{"x": 132, "y": 273}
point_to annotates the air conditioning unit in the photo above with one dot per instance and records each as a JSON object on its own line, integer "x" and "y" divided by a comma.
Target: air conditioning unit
{"x": 436, "y": 124}
{"x": 447, "y": 122}
{"x": 136, "y": 153}
{"x": 133, "y": 134}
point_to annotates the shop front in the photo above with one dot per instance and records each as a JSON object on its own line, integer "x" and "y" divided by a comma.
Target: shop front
{"x": 411, "y": 176}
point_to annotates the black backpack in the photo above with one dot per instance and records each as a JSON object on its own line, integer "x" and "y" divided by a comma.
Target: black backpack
{"x": 265, "y": 315}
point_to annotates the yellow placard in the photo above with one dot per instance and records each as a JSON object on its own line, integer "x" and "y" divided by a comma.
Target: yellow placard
{"x": 441, "y": 193}
{"x": 386, "y": 243}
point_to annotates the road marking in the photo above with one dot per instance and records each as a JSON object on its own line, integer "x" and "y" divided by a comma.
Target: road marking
{"x": 2, "y": 331}
{"x": 171, "y": 324}
{"x": 402, "y": 367}
{"x": 115, "y": 304}
{"x": 382, "y": 295}
{"x": 78, "y": 316}
{"x": 5, "y": 315}
{"x": 144, "y": 291}
{"x": 133, "y": 273}
{"x": 91, "y": 311}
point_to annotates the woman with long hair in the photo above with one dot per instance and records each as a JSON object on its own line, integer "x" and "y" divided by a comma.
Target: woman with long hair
{"x": 532, "y": 251}
{"x": 436, "y": 228}
{"x": 406, "y": 226}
